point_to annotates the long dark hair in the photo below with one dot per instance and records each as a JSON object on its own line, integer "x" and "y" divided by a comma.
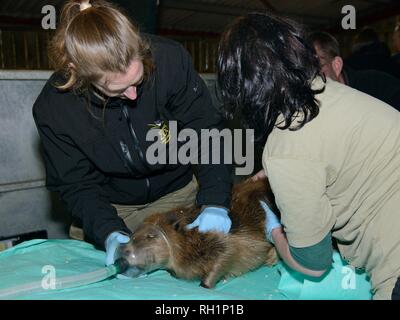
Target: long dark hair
{"x": 265, "y": 69}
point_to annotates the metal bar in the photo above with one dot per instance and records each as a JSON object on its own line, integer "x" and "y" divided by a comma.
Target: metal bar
{"x": 24, "y": 185}
{"x": 25, "y": 75}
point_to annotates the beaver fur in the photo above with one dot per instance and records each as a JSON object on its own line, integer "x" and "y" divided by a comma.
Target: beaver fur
{"x": 164, "y": 242}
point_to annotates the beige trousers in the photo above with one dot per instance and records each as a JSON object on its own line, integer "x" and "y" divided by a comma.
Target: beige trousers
{"x": 133, "y": 215}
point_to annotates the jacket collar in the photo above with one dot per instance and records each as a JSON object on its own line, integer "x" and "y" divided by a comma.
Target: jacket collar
{"x": 99, "y": 100}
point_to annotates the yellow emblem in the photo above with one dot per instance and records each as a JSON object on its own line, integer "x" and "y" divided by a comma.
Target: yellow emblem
{"x": 163, "y": 131}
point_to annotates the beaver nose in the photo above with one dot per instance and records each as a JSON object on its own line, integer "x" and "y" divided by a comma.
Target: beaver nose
{"x": 122, "y": 265}
{"x": 127, "y": 252}
{"x": 125, "y": 269}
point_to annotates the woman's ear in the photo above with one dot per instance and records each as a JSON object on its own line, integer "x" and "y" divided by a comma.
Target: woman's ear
{"x": 337, "y": 65}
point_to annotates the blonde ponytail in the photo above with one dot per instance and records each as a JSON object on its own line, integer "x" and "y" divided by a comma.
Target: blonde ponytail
{"x": 94, "y": 38}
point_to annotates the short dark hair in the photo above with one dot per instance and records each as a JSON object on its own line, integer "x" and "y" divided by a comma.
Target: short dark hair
{"x": 265, "y": 69}
{"x": 328, "y": 43}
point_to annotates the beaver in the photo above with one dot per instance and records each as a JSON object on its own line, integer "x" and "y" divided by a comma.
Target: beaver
{"x": 162, "y": 241}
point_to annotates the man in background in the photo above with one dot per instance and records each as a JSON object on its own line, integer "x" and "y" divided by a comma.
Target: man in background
{"x": 376, "y": 83}
{"x": 369, "y": 53}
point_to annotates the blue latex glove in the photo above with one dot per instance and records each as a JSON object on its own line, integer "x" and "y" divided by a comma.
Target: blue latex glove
{"x": 271, "y": 223}
{"x": 113, "y": 241}
{"x": 212, "y": 219}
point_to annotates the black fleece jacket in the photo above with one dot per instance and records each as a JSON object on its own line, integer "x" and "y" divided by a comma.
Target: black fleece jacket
{"x": 96, "y": 156}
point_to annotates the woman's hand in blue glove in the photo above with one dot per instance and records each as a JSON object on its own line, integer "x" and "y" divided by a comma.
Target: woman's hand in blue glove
{"x": 113, "y": 241}
{"x": 212, "y": 219}
{"x": 271, "y": 221}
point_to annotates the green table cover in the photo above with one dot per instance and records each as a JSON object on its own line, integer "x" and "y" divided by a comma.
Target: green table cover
{"x": 29, "y": 262}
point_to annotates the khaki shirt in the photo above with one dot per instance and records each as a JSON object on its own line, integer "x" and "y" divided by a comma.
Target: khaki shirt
{"x": 341, "y": 173}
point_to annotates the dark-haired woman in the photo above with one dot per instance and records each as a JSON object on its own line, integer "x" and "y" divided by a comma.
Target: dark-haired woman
{"x": 332, "y": 154}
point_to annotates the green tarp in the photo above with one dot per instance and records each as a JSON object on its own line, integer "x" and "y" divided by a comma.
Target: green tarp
{"x": 32, "y": 261}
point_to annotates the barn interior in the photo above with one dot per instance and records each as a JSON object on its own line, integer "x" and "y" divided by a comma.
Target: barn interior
{"x": 28, "y": 209}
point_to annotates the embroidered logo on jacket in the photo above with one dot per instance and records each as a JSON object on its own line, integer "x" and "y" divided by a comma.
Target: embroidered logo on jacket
{"x": 163, "y": 131}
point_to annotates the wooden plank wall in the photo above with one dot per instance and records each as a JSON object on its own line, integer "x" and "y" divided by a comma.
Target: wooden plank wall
{"x": 24, "y": 49}
{"x": 27, "y": 49}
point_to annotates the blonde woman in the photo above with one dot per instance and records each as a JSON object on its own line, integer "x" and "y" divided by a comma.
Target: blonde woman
{"x": 111, "y": 85}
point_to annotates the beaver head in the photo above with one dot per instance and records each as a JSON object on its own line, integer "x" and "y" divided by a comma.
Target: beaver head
{"x": 149, "y": 247}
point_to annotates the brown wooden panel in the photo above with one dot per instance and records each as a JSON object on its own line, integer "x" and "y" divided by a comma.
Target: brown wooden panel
{"x": 1, "y": 50}
{"x": 30, "y": 50}
{"x": 42, "y": 49}
{"x": 8, "y": 49}
{"x": 20, "y": 50}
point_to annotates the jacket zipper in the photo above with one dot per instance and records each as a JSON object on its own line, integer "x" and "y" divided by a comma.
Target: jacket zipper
{"x": 136, "y": 146}
{"x": 127, "y": 156}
